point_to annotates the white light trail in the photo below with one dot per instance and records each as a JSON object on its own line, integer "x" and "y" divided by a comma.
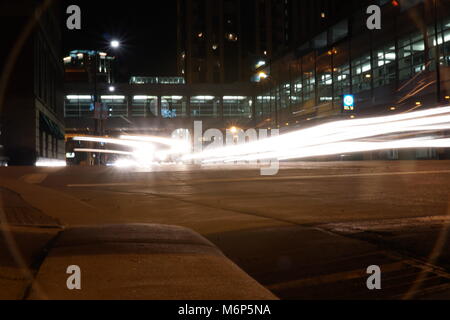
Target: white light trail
{"x": 86, "y": 150}
{"x": 120, "y": 142}
{"x": 143, "y": 148}
{"x": 49, "y": 163}
{"x": 340, "y": 137}
{"x": 175, "y": 144}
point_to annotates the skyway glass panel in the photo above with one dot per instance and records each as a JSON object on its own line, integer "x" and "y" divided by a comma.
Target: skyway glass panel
{"x": 78, "y": 106}
{"x": 237, "y": 107}
{"x": 144, "y": 107}
{"x": 116, "y": 106}
{"x": 173, "y": 106}
{"x": 263, "y": 104}
{"x": 205, "y": 106}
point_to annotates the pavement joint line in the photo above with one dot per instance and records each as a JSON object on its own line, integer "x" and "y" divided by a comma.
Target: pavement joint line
{"x": 425, "y": 291}
{"x": 385, "y": 224}
{"x": 405, "y": 257}
{"x": 421, "y": 267}
{"x": 414, "y": 261}
{"x": 88, "y": 243}
{"x": 163, "y": 196}
{"x": 32, "y": 226}
{"x": 274, "y": 178}
{"x": 37, "y": 264}
{"x": 219, "y": 207}
{"x": 331, "y": 278}
{"x": 421, "y": 291}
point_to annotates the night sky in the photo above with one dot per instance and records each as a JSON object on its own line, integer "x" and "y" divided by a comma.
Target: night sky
{"x": 146, "y": 29}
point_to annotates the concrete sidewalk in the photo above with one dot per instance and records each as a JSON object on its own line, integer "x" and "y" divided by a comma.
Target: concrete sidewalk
{"x": 142, "y": 262}
{"x": 117, "y": 261}
{"x": 60, "y": 206}
{"x": 121, "y": 262}
{"x": 164, "y": 262}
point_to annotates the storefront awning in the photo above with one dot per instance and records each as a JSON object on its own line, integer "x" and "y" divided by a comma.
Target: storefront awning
{"x": 50, "y": 126}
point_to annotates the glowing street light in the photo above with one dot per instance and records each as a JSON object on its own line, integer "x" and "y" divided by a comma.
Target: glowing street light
{"x": 263, "y": 75}
{"x": 233, "y": 130}
{"x": 115, "y": 44}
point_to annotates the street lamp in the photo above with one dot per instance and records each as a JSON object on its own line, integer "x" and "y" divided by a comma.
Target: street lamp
{"x": 115, "y": 44}
{"x": 233, "y": 130}
{"x": 100, "y": 129}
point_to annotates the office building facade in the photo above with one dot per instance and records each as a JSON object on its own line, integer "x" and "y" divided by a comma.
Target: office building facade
{"x": 224, "y": 41}
{"x": 403, "y": 67}
{"x": 31, "y": 98}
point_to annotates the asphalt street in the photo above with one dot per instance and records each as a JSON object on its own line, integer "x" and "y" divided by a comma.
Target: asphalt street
{"x": 309, "y": 232}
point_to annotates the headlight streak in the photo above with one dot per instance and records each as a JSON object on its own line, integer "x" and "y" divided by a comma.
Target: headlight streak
{"x": 339, "y": 137}
{"x": 341, "y": 148}
{"x": 50, "y": 163}
{"x": 130, "y": 144}
{"x": 176, "y": 145}
{"x": 142, "y": 148}
{"x": 103, "y": 151}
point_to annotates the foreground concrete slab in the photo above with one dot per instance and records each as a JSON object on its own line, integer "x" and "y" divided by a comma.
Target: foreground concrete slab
{"x": 142, "y": 262}
{"x": 21, "y": 249}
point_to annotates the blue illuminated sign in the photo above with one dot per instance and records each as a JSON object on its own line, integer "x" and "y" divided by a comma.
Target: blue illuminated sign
{"x": 349, "y": 102}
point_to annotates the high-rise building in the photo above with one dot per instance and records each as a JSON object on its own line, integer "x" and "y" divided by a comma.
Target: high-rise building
{"x": 209, "y": 44}
{"x": 85, "y": 65}
{"x": 31, "y": 97}
{"x": 222, "y": 41}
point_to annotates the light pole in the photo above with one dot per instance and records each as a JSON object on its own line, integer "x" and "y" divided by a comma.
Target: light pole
{"x": 271, "y": 83}
{"x": 99, "y": 116}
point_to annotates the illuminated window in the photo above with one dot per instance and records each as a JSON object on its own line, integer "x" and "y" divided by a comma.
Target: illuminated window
{"x": 144, "y": 107}
{"x": 237, "y": 107}
{"x": 341, "y": 81}
{"x": 232, "y": 37}
{"x": 116, "y": 106}
{"x": 78, "y": 106}
{"x": 442, "y": 39}
{"x": 411, "y": 55}
{"x": 361, "y": 67}
{"x": 384, "y": 70}
{"x": 263, "y": 104}
{"x": 309, "y": 82}
{"x": 205, "y": 106}
{"x": 173, "y": 106}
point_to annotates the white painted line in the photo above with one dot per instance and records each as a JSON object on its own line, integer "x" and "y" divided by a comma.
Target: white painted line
{"x": 352, "y": 175}
{"x": 286, "y": 178}
{"x": 94, "y": 185}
